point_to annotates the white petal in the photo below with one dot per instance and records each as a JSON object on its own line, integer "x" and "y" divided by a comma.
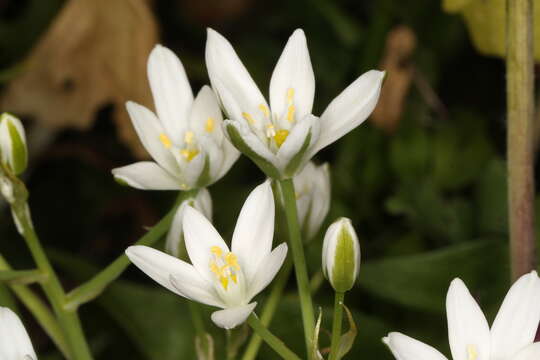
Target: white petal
{"x": 350, "y": 108}
{"x": 296, "y": 139}
{"x": 267, "y": 270}
{"x": 15, "y": 343}
{"x": 530, "y": 352}
{"x": 321, "y": 200}
{"x": 214, "y": 153}
{"x": 171, "y": 90}
{"x": 232, "y": 317}
{"x": 161, "y": 267}
{"x": 205, "y": 116}
{"x": 254, "y": 231}
{"x": 293, "y": 71}
{"x": 227, "y": 73}
{"x": 146, "y": 175}
{"x": 516, "y": 323}
{"x": 192, "y": 170}
{"x": 230, "y": 155}
{"x": 200, "y": 236}
{"x": 468, "y": 330}
{"x": 404, "y": 347}
{"x": 149, "y": 129}
{"x": 203, "y": 203}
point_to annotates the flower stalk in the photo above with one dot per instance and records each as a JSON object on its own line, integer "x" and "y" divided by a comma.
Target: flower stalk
{"x": 276, "y": 344}
{"x": 520, "y": 152}
{"x": 336, "y": 325}
{"x": 297, "y": 249}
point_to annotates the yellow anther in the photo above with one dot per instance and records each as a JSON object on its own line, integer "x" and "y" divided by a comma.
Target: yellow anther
{"x": 224, "y": 282}
{"x": 224, "y": 266}
{"x": 188, "y": 137}
{"x": 234, "y": 278}
{"x": 290, "y": 95}
{"x": 210, "y": 124}
{"x": 472, "y": 353}
{"x": 248, "y": 118}
{"x": 265, "y": 110}
{"x": 280, "y": 137}
{"x": 290, "y": 113}
{"x": 232, "y": 261}
{"x": 165, "y": 140}
{"x": 216, "y": 250}
{"x": 189, "y": 154}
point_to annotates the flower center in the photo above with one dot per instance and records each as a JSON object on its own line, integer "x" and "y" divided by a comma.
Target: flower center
{"x": 224, "y": 266}
{"x": 472, "y": 353}
{"x": 190, "y": 150}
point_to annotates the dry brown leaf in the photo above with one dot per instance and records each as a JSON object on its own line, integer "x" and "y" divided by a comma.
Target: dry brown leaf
{"x": 400, "y": 45}
{"x": 94, "y": 54}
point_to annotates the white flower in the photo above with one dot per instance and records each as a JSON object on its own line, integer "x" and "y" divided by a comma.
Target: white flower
{"x": 13, "y": 150}
{"x": 201, "y": 202}
{"x": 510, "y": 338}
{"x": 341, "y": 255}
{"x": 185, "y": 138}
{"x": 282, "y": 137}
{"x": 219, "y": 276}
{"x": 14, "y": 341}
{"x": 312, "y": 187}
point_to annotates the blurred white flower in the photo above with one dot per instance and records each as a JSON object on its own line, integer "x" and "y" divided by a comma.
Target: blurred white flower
{"x": 14, "y": 341}
{"x": 219, "y": 276}
{"x": 201, "y": 202}
{"x": 312, "y": 187}
{"x": 341, "y": 255}
{"x": 511, "y": 336}
{"x": 185, "y": 139}
{"x": 13, "y": 150}
{"x": 282, "y": 137}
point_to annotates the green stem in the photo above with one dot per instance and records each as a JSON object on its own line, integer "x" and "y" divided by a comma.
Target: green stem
{"x": 40, "y": 311}
{"x": 520, "y": 149}
{"x": 21, "y": 276}
{"x": 297, "y": 249}
{"x": 95, "y": 286}
{"x": 196, "y": 317}
{"x": 276, "y": 344}
{"x": 69, "y": 320}
{"x": 270, "y": 306}
{"x": 336, "y": 325}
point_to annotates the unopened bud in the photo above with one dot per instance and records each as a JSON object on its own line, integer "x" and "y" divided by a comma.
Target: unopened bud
{"x": 13, "y": 150}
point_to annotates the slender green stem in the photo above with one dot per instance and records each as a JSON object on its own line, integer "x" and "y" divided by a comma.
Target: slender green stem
{"x": 270, "y": 306}
{"x": 196, "y": 317}
{"x": 69, "y": 320}
{"x": 336, "y": 325}
{"x": 297, "y": 247}
{"x": 520, "y": 149}
{"x": 21, "y": 276}
{"x": 95, "y": 286}
{"x": 276, "y": 344}
{"x": 40, "y": 311}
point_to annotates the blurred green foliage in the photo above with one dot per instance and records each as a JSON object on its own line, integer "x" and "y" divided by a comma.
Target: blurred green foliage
{"x": 429, "y": 201}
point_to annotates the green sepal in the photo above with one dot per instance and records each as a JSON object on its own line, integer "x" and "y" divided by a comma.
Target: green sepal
{"x": 343, "y": 274}
{"x": 298, "y": 159}
{"x": 315, "y": 353}
{"x": 121, "y": 181}
{"x": 266, "y": 166}
{"x": 346, "y": 341}
{"x": 19, "y": 153}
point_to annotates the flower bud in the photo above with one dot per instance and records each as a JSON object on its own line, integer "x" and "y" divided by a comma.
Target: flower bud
{"x": 13, "y": 151}
{"x": 14, "y": 340}
{"x": 341, "y": 255}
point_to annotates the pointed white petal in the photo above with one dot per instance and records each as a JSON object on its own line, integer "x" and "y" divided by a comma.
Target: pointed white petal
{"x": 293, "y": 71}
{"x": 530, "y": 352}
{"x": 205, "y": 117}
{"x": 203, "y": 203}
{"x": 267, "y": 270}
{"x": 192, "y": 170}
{"x": 214, "y": 153}
{"x": 320, "y": 204}
{"x": 150, "y": 132}
{"x": 350, "y": 108}
{"x": 468, "y": 330}
{"x": 296, "y": 139}
{"x": 230, "y": 155}
{"x": 254, "y": 231}
{"x": 146, "y": 175}
{"x": 171, "y": 90}
{"x": 252, "y": 141}
{"x": 228, "y": 74}
{"x": 200, "y": 236}
{"x": 14, "y": 340}
{"x": 232, "y": 317}
{"x": 517, "y": 321}
{"x": 404, "y": 347}
{"x": 161, "y": 267}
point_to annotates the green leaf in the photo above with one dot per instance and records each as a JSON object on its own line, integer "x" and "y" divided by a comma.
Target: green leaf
{"x": 315, "y": 353}
{"x": 346, "y": 341}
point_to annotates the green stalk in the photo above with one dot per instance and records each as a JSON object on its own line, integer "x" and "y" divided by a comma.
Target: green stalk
{"x": 297, "y": 249}
{"x": 276, "y": 344}
{"x": 270, "y": 306}
{"x": 336, "y": 325}
{"x": 40, "y": 311}
{"x": 21, "y": 276}
{"x": 520, "y": 149}
{"x": 95, "y": 286}
{"x": 68, "y": 320}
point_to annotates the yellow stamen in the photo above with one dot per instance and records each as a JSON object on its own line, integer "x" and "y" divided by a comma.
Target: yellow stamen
{"x": 224, "y": 282}
{"x": 472, "y": 353}
{"x": 188, "y": 137}
{"x": 280, "y": 137}
{"x": 232, "y": 261}
{"x": 210, "y": 124}
{"x": 290, "y": 96}
{"x": 265, "y": 110}
{"x": 216, "y": 250}
{"x": 248, "y": 118}
{"x": 165, "y": 140}
{"x": 224, "y": 266}
{"x": 189, "y": 154}
{"x": 290, "y": 113}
